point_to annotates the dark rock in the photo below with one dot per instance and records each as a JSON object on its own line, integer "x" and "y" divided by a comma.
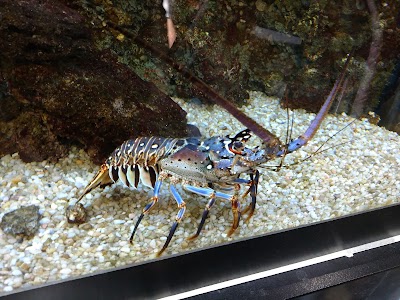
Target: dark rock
{"x": 29, "y": 135}
{"x": 9, "y": 107}
{"x": 23, "y": 221}
{"x": 61, "y": 90}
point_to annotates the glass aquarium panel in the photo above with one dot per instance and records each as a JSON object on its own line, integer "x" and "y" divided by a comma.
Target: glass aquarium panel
{"x": 214, "y": 99}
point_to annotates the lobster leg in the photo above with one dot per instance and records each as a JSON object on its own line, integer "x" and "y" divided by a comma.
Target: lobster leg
{"x": 203, "y": 217}
{"x": 235, "y": 210}
{"x": 207, "y": 192}
{"x": 179, "y": 216}
{"x": 253, "y": 193}
{"x": 149, "y": 206}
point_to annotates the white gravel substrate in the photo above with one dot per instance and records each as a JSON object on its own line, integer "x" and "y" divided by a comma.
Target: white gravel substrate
{"x": 362, "y": 174}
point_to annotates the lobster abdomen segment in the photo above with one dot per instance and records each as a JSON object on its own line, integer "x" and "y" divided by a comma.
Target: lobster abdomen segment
{"x": 138, "y": 160}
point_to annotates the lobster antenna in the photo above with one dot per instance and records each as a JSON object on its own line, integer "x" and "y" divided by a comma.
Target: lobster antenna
{"x": 277, "y": 168}
{"x": 268, "y": 137}
{"x": 324, "y": 143}
{"x": 315, "y": 124}
{"x": 287, "y": 117}
{"x": 289, "y": 128}
{"x": 316, "y": 152}
{"x": 343, "y": 89}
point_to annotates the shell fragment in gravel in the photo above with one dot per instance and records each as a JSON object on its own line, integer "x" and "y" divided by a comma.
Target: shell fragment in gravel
{"x": 362, "y": 173}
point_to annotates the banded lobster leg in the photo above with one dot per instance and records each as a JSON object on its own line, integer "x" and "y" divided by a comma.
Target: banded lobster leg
{"x": 178, "y": 218}
{"x": 212, "y": 194}
{"x": 254, "y": 178}
{"x": 149, "y": 206}
{"x": 237, "y": 213}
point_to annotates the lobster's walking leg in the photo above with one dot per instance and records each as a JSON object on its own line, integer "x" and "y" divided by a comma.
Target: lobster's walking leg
{"x": 254, "y": 178}
{"x": 147, "y": 208}
{"x": 203, "y": 217}
{"x": 207, "y": 192}
{"x": 235, "y": 210}
{"x": 178, "y": 218}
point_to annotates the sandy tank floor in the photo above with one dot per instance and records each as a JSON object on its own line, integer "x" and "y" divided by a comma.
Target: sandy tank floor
{"x": 361, "y": 174}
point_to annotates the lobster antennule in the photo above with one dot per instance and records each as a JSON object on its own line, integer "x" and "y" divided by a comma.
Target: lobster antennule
{"x": 312, "y": 129}
{"x": 101, "y": 178}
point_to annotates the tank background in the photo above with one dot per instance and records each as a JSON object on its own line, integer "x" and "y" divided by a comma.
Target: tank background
{"x": 232, "y": 59}
{"x": 73, "y": 79}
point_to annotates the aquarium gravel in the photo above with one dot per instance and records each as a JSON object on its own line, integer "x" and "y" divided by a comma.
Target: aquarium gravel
{"x": 361, "y": 173}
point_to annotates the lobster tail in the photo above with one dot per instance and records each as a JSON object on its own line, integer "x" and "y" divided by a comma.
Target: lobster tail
{"x": 102, "y": 178}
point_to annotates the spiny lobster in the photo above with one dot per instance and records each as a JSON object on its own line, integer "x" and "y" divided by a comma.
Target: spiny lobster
{"x": 205, "y": 167}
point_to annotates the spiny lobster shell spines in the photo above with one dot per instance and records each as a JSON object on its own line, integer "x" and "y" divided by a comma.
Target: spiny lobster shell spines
{"x": 138, "y": 160}
{"x": 134, "y": 161}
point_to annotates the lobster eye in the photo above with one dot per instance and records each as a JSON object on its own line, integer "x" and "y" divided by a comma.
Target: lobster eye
{"x": 237, "y": 145}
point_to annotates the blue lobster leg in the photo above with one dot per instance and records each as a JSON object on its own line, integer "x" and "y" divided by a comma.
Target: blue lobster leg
{"x": 207, "y": 192}
{"x": 179, "y": 216}
{"x": 149, "y": 206}
{"x": 254, "y": 178}
{"x": 203, "y": 217}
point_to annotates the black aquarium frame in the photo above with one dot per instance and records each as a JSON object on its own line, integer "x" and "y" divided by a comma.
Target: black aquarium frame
{"x": 181, "y": 273}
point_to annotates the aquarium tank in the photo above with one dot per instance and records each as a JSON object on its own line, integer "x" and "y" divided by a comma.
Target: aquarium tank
{"x": 136, "y": 130}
